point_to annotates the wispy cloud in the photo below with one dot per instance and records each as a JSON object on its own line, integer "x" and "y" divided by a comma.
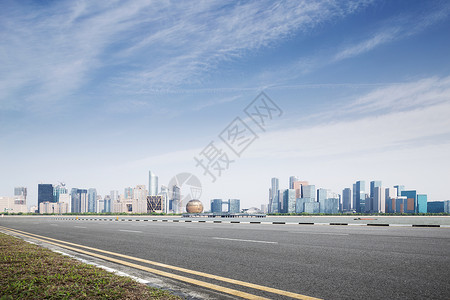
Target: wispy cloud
{"x": 49, "y": 53}
{"x": 385, "y": 119}
{"x": 395, "y": 29}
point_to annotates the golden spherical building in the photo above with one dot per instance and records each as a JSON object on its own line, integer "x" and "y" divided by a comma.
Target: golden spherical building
{"x": 194, "y": 207}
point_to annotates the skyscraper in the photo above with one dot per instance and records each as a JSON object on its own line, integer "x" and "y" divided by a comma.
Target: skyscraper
{"x": 415, "y": 203}
{"x": 140, "y": 200}
{"x": 322, "y": 194}
{"x": 360, "y": 194}
{"x": 309, "y": 191}
{"x": 45, "y": 193}
{"x": 234, "y": 206}
{"x": 58, "y": 190}
{"x": 216, "y": 206}
{"x": 378, "y": 200}
{"x": 114, "y": 195}
{"x": 274, "y": 202}
{"x": 20, "y": 195}
{"x": 400, "y": 189}
{"x": 347, "y": 199}
{"x": 292, "y": 179}
{"x": 107, "y": 204}
{"x": 79, "y": 200}
{"x": 298, "y": 188}
{"x": 128, "y": 193}
{"x": 354, "y": 197}
{"x": 176, "y": 200}
{"x": 92, "y": 200}
{"x": 152, "y": 184}
{"x": 372, "y": 206}
{"x": 289, "y": 201}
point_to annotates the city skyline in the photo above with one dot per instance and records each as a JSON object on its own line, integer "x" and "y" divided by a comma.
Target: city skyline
{"x": 275, "y": 190}
{"x": 97, "y": 94}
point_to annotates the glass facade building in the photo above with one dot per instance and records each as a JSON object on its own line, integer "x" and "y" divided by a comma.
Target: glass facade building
{"x": 152, "y": 184}
{"x": 360, "y": 194}
{"x": 45, "y": 193}
{"x": 329, "y": 206}
{"x": 92, "y": 200}
{"x": 309, "y": 191}
{"x": 400, "y": 189}
{"x": 79, "y": 200}
{"x": 411, "y": 203}
{"x": 311, "y": 207}
{"x": 234, "y": 206}
{"x": 300, "y": 204}
{"x": 347, "y": 199}
{"x": 216, "y": 206}
{"x": 20, "y": 195}
{"x": 289, "y": 201}
{"x": 274, "y": 201}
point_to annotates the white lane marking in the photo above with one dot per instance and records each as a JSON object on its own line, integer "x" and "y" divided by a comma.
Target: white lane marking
{"x": 239, "y": 240}
{"x": 325, "y": 233}
{"x": 79, "y": 227}
{"x": 195, "y": 227}
{"x": 130, "y": 230}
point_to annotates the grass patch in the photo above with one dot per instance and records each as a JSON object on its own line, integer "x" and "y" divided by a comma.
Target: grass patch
{"x": 29, "y": 271}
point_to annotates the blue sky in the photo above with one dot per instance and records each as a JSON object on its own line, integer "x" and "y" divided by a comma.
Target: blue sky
{"x": 95, "y": 94}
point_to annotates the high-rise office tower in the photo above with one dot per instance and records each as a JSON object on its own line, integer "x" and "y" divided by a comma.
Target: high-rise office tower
{"x": 234, "y": 206}
{"x": 274, "y": 201}
{"x": 20, "y": 195}
{"x": 373, "y": 185}
{"x": 128, "y": 193}
{"x": 164, "y": 193}
{"x": 322, "y": 194}
{"x": 309, "y": 191}
{"x": 176, "y": 200}
{"x": 140, "y": 200}
{"x": 114, "y": 195}
{"x": 415, "y": 203}
{"x": 371, "y": 206}
{"x": 400, "y": 189}
{"x": 58, "y": 190}
{"x": 289, "y": 201}
{"x": 347, "y": 199}
{"x": 292, "y": 179}
{"x": 378, "y": 200}
{"x": 152, "y": 184}
{"x": 107, "y": 204}
{"x": 79, "y": 200}
{"x": 354, "y": 197}
{"x": 45, "y": 193}
{"x": 216, "y": 206}
{"x": 360, "y": 196}
{"x": 92, "y": 200}
{"x": 67, "y": 200}
{"x": 297, "y": 186}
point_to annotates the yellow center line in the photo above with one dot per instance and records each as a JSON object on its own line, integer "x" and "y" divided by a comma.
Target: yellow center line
{"x": 206, "y": 275}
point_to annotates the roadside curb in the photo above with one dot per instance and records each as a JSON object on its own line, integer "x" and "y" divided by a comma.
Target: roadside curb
{"x": 253, "y": 222}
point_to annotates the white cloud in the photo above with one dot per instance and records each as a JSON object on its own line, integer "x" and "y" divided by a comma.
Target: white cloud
{"x": 395, "y": 29}
{"x": 48, "y": 53}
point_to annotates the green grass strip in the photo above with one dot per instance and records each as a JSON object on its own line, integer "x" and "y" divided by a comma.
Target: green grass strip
{"x": 29, "y": 271}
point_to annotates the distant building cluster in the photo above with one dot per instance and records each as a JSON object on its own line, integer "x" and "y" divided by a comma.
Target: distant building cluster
{"x": 232, "y": 206}
{"x": 58, "y": 199}
{"x": 16, "y": 204}
{"x": 302, "y": 197}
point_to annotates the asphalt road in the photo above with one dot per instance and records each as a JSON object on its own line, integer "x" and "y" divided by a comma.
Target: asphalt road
{"x": 330, "y": 262}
